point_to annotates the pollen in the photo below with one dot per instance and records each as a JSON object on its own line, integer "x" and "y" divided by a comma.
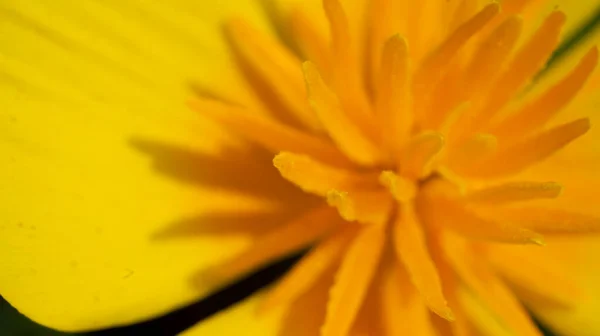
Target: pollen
{"x": 415, "y": 142}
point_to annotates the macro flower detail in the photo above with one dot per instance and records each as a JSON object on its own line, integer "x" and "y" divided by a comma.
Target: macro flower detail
{"x": 300, "y": 167}
{"x": 418, "y": 147}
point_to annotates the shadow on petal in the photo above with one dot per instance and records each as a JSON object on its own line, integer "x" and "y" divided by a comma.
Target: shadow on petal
{"x": 261, "y": 88}
{"x": 247, "y": 171}
{"x": 205, "y": 91}
{"x": 307, "y": 314}
{"x": 246, "y": 223}
{"x": 279, "y": 21}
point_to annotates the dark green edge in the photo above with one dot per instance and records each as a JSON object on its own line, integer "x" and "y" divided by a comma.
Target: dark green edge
{"x": 574, "y": 39}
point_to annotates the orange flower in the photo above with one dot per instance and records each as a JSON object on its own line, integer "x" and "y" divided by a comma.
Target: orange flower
{"x": 421, "y": 142}
{"x": 438, "y": 179}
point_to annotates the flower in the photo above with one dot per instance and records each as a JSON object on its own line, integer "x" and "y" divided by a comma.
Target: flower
{"x": 422, "y": 167}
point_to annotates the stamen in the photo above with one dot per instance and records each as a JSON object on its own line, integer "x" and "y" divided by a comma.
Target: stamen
{"x": 342, "y": 130}
{"x": 461, "y": 326}
{"x": 309, "y": 270}
{"x": 510, "y": 8}
{"x": 448, "y": 124}
{"x": 310, "y": 41}
{"x": 367, "y": 207}
{"x": 278, "y": 66}
{"x": 548, "y": 220}
{"x": 538, "y": 112}
{"x": 464, "y": 10}
{"x": 445, "y": 98}
{"x": 536, "y": 276}
{"x": 346, "y": 80}
{"x": 487, "y": 60}
{"x": 401, "y": 188}
{"x": 533, "y": 150}
{"x": 280, "y": 242}
{"x": 436, "y": 206}
{"x": 378, "y": 114}
{"x": 415, "y": 11}
{"x": 526, "y": 63}
{"x": 426, "y": 25}
{"x": 515, "y": 6}
{"x": 472, "y": 151}
{"x": 416, "y": 158}
{"x": 410, "y": 245}
{"x": 491, "y": 290}
{"x": 514, "y": 192}
{"x": 399, "y": 298}
{"x": 480, "y": 318}
{"x": 350, "y": 288}
{"x": 392, "y": 107}
{"x": 340, "y": 33}
{"x": 432, "y": 68}
{"x": 274, "y": 136}
{"x": 318, "y": 178}
{"x": 381, "y": 21}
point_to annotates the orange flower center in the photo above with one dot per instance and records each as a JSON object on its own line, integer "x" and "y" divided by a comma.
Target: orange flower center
{"x": 407, "y": 144}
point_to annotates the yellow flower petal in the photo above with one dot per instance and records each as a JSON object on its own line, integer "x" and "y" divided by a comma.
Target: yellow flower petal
{"x": 303, "y": 317}
{"x": 534, "y": 277}
{"x": 72, "y": 168}
{"x": 578, "y": 260}
{"x": 240, "y": 319}
{"x": 81, "y": 203}
{"x": 98, "y": 155}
